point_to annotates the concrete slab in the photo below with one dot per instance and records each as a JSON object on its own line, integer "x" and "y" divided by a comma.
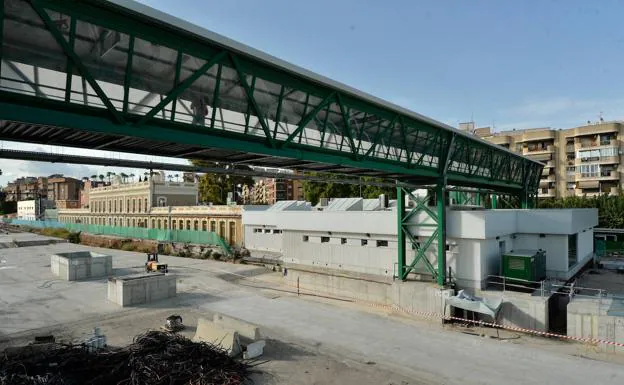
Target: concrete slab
{"x": 245, "y": 329}
{"x": 32, "y": 297}
{"x": 27, "y": 240}
{"x": 218, "y": 335}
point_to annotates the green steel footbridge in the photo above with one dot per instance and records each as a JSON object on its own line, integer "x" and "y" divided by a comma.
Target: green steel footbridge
{"x": 120, "y": 76}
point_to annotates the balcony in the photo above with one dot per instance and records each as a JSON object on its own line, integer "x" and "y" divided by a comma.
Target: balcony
{"x": 546, "y": 193}
{"x": 549, "y": 164}
{"x": 538, "y": 150}
{"x": 597, "y": 159}
{"x": 603, "y": 175}
{"x": 610, "y": 143}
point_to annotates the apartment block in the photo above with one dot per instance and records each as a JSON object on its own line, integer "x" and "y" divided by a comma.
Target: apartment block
{"x": 271, "y": 190}
{"x": 578, "y": 161}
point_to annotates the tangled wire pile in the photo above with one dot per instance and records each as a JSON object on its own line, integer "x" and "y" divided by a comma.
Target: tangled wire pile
{"x": 153, "y": 358}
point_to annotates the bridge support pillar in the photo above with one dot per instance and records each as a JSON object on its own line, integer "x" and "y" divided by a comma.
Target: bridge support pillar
{"x": 424, "y": 228}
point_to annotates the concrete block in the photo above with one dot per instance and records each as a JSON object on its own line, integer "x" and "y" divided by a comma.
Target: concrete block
{"x": 139, "y": 289}
{"x": 587, "y": 318}
{"x": 81, "y": 265}
{"x": 218, "y": 335}
{"x": 245, "y": 329}
{"x": 254, "y": 350}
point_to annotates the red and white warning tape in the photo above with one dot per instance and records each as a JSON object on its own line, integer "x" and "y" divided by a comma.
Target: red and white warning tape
{"x": 432, "y": 315}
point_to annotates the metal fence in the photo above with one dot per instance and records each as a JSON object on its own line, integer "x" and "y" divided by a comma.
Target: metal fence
{"x": 181, "y": 236}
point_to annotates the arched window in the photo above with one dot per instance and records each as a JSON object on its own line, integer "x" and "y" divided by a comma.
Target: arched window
{"x": 232, "y": 232}
{"x": 128, "y": 207}
{"x": 115, "y": 222}
{"x": 159, "y": 224}
{"x": 145, "y": 204}
{"x": 222, "y": 229}
{"x": 153, "y": 223}
{"x": 181, "y": 224}
{"x": 133, "y": 222}
{"x": 173, "y": 225}
{"x": 109, "y": 206}
{"x": 188, "y": 224}
{"x": 196, "y": 225}
{"x": 213, "y": 226}
{"x": 134, "y": 205}
{"x": 204, "y": 225}
{"x": 166, "y": 226}
{"x": 139, "y": 205}
{"x": 115, "y": 206}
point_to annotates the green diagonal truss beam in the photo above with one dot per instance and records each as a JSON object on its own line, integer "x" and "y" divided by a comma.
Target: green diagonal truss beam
{"x": 421, "y": 226}
{"x": 67, "y": 49}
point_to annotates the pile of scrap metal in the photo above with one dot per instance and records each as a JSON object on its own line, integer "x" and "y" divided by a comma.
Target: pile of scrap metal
{"x": 173, "y": 323}
{"x": 153, "y": 358}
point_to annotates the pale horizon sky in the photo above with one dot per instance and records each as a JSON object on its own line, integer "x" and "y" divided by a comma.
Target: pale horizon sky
{"x": 521, "y": 64}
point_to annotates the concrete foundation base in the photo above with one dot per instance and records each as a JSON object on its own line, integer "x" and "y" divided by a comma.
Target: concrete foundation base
{"x": 423, "y": 297}
{"x": 591, "y": 318}
{"x": 81, "y": 265}
{"x": 521, "y": 310}
{"x": 141, "y": 288}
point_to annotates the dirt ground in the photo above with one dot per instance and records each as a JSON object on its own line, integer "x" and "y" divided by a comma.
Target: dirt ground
{"x": 285, "y": 361}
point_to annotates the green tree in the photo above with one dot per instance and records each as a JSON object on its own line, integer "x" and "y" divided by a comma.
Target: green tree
{"x": 333, "y": 188}
{"x": 215, "y": 187}
{"x": 610, "y": 208}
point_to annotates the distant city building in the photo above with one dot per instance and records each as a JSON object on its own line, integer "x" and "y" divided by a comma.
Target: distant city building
{"x": 585, "y": 160}
{"x": 155, "y": 204}
{"x": 33, "y": 209}
{"x": 271, "y": 190}
{"x": 63, "y": 188}
{"x": 26, "y": 188}
{"x": 55, "y": 187}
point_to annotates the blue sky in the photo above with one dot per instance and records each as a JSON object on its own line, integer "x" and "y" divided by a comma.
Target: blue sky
{"x": 510, "y": 64}
{"x": 514, "y": 64}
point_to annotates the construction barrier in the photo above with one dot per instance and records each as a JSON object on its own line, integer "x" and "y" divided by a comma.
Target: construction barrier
{"x": 178, "y": 236}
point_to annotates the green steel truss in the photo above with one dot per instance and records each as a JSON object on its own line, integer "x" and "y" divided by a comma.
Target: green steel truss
{"x": 130, "y": 80}
{"x": 140, "y": 77}
{"x": 424, "y": 229}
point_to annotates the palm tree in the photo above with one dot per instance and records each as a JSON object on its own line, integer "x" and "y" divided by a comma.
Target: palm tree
{"x": 124, "y": 177}
{"x": 109, "y": 174}
{"x": 94, "y": 177}
{"x": 101, "y": 177}
{"x": 169, "y": 177}
{"x": 132, "y": 177}
{"x": 177, "y": 176}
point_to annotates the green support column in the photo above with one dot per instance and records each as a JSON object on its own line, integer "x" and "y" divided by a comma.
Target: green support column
{"x": 494, "y": 198}
{"x": 400, "y": 232}
{"x": 441, "y": 211}
{"x": 524, "y": 201}
{"x": 478, "y": 198}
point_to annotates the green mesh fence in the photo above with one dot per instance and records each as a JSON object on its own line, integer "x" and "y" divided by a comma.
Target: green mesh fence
{"x": 180, "y": 236}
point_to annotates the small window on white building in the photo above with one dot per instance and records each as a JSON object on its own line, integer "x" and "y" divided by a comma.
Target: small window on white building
{"x": 324, "y": 239}
{"x": 364, "y": 242}
{"x": 306, "y": 238}
{"x": 267, "y": 231}
{"x": 382, "y": 243}
{"x": 343, "y": 241}
{"x": 277, "y": 231}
